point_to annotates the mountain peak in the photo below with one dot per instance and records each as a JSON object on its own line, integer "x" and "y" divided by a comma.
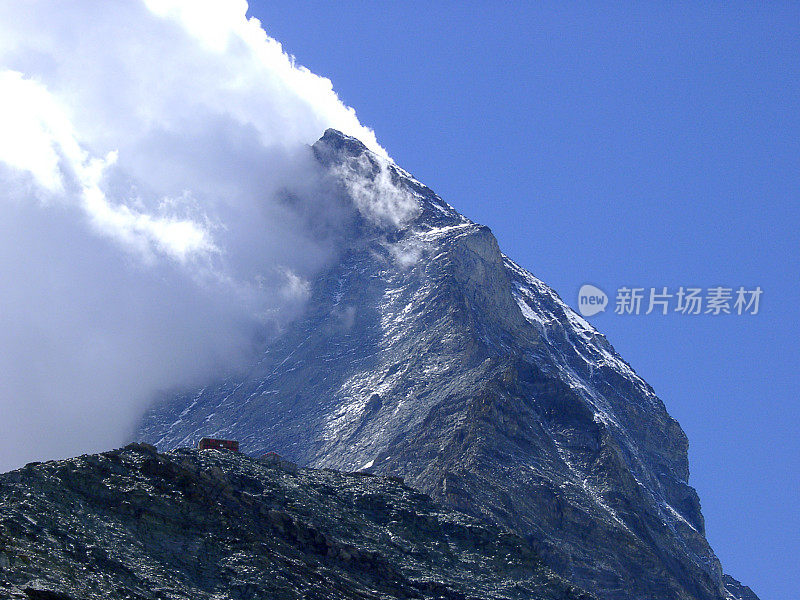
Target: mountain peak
{"x": 425, "y": 352}
{"x": 334, "y": 141}
{"x": 382, "y": 192}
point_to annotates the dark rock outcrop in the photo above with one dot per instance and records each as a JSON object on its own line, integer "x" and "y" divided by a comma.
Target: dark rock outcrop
{"x": 195, "y": 524}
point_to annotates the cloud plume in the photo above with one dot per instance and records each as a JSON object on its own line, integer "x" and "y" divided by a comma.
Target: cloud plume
{"x": 146, "y": 151}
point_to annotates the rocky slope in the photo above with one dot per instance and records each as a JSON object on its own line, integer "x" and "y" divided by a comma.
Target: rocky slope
{"x": 425, "y": 352}
{"x": 193, "y": 524}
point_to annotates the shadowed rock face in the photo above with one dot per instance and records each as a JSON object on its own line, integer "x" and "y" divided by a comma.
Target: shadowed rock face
{"x": 197, "y": 524}
{"x": 427, "y": 353}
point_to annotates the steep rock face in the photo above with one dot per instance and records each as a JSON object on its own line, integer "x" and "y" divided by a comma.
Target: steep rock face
{"x": 736, "y": 589}
{"x": 427, "y": 353}
{"x": 193, "y": 524}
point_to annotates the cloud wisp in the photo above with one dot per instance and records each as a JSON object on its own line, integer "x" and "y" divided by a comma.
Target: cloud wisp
{"x": 147, "y": 148}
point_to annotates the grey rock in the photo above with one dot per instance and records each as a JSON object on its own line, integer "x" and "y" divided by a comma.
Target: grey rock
{"x": 461, "y": 372}
{"x": 115, "y": 526}
{"x": 737, "y": 590}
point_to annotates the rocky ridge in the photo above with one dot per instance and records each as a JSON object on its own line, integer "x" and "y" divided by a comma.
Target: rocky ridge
{"x": 191, "y": 524}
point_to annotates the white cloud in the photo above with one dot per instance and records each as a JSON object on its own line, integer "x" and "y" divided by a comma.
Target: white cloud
{"x": 34, "y": 130}
{"x": 39, "y": 139}
{"x": 158, "y": 203}
{"x": 368, "y": 180}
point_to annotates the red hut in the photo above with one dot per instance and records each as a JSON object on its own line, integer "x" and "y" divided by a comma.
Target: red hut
{"x": 215, "y": 444}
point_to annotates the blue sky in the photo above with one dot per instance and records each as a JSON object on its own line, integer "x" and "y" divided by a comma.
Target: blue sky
{"x": 636, "y": 145}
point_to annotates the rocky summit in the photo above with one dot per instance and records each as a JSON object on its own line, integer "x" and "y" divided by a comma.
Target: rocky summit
{"x": 424, "y": 352}
{"x": 194, "y": 524}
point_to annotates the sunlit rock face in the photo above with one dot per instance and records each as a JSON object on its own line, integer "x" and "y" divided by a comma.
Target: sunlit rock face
{"x": 425, "y": 352}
